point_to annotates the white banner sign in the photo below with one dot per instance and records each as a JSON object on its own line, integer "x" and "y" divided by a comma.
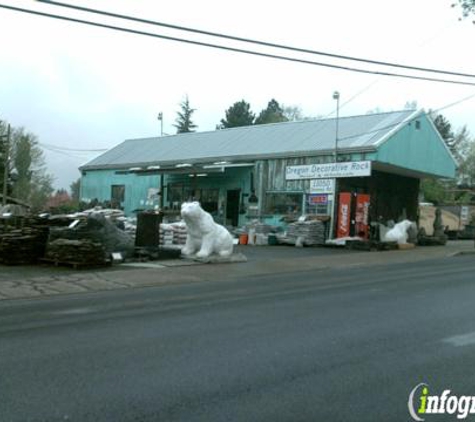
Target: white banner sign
{"x": 322, "y": 185}
{"x": 329, "y": 170}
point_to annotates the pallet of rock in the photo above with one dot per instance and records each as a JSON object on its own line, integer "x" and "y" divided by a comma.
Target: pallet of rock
{"x": 309, "y": 233}
{"x": 23, "y": 245}
{"x": 76, "y": 253}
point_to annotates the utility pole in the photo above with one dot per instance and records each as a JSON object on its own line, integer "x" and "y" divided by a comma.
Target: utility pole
{"x": 160, "y": 117}
{"x": 334, "y": 219}
{"x": 161, "y": 204}
{"x": 6, "y": 163}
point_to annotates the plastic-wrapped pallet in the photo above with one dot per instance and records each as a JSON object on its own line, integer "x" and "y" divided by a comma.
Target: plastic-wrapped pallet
{"x": 179, "y": 233}
{"x": 166, "y": 234}
{"x": 309, "y": 233}
{"x": 262, "y": 228}
{"x": 262, "y": 239}
{"x": 173, "y": 234}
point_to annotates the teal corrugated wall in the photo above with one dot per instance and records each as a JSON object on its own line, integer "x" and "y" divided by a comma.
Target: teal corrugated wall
{"x": 419, "y": 149}
{"x": 96, "y": 184}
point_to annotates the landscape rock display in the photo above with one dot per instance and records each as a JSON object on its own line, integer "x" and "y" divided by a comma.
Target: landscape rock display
{"x": 90, "y": 240}
{"x": 22, "y": 240}
{"x": 98, "y": 229}
{"x": 83, "y": 252}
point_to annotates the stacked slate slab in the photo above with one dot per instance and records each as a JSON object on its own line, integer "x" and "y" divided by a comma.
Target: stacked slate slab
{"x": 22, "y": 241}
{"x": 77, "y": 252}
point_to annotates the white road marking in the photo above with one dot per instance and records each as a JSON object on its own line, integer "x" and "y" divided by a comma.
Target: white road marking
{"x": 75, "y": 311}
{"x": 143, "y": 265}
{"x": 461, "y": 340}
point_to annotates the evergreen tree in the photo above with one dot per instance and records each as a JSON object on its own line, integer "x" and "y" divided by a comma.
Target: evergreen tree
{"x": 444, "y": 127}
{"x": 462, "y": 146}
{"x": 468, "y": 7}
{"x": 239, "y": 114}
{"x": 456, "y": 142}
{"x": 183, "y": 121}
{"x": 272, "y": 114}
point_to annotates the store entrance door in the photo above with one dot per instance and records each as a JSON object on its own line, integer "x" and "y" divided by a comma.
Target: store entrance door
{"x": 232, "y": 207}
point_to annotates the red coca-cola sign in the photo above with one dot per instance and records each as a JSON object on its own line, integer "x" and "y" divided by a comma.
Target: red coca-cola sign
{"x": 344, "y": 211}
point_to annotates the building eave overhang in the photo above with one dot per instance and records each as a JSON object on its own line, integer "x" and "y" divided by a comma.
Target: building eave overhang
{"x": 234, "y": 159}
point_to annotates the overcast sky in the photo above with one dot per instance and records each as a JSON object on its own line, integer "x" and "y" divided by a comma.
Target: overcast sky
{"x": 78, "y": 87}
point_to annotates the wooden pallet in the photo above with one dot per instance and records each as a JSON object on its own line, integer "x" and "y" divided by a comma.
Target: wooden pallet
{"x": 370, "y": 245}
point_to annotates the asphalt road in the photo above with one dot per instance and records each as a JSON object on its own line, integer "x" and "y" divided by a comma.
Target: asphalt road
{"x": 331, "y": 345}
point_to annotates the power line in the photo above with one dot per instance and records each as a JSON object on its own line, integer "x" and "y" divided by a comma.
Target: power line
{"x": 455, "y": 103}
{"x": 69, "y": 152}
{"x": 437, "y": 110}
{"x": 377, "y": 79}
{"x": 71, "y": 149}
{"x": 252, "y": 41}
{"x": 233, "y": 49}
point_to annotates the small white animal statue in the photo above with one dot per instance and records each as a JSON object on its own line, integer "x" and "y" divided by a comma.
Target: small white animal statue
{"x": 204, "y": 237}
{"x": 399, "y": 232}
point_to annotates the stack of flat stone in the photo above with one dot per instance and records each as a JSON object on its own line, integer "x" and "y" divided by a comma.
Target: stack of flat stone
{"x": 85, "y": 252}
{"x": 23, "y": 245}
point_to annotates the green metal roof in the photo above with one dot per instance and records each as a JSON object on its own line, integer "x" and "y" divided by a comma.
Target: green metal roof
{"x": 364, "y": 133}
{"x": 251, "y": 142}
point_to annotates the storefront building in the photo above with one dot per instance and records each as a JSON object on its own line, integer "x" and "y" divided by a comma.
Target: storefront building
{"x": 277, "y": 172}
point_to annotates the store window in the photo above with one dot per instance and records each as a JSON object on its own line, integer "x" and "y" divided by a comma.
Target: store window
{"x": 284, "y": 203}
{"x": 318, "y": 204}
{"x": 177, "y": 194}
{"x": 209, "y": 199}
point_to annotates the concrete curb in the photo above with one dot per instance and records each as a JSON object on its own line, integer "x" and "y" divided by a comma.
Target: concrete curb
{"x": 158, "y": 273}
{"x": 462, "y": 253}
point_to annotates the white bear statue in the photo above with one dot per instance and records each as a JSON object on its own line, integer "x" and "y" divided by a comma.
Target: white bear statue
{"x": 204, "y": 237}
